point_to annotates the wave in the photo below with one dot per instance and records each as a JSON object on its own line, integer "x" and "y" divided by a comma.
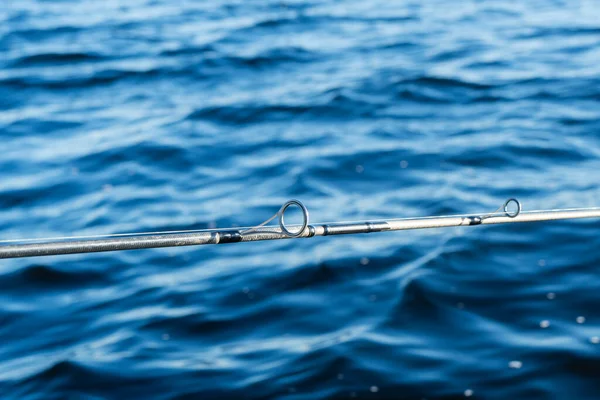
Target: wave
{"x": 167, "y": 116}
{"x": 55, "y": 58}
{"x": 46, "y": 277}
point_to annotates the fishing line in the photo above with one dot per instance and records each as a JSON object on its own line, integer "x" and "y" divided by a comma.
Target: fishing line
{"x": 244, "y": 230}
{"x": 279, "y": 214}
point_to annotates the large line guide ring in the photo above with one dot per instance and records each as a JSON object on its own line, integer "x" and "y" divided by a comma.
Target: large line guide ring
{"x": 281, "y": 215}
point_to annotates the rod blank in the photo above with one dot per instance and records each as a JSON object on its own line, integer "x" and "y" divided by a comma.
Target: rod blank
{"x": 221, "y": 236}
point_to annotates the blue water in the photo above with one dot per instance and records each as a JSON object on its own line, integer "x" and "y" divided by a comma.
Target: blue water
{"x": 159, "y": 115}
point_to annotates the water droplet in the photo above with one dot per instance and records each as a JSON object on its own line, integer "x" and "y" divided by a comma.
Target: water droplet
{"x": 460, "y": 305}
{"x": 374, "y": 389}
{"x": 373, "y": 297}
{"x": 551, "y": 296}
{"x": 580, "y": 320}
{"x": 360, "y": 169}
{"x": 353, "y": 394}
{"x": 250, "y": 296}
{"x": 515, "y": 364}
{"x": 595, "y": 339}
{"x": 340, "y": 377}
{"x": 468, "y": 393}
{"x": 403, "y": 164}
{"x": 246, "y": 290}
{"x": 542, "y": 263}
{"x": 165, "y": 336}
{"x": 544, "y": 324}
{"x": 364, "y": 261}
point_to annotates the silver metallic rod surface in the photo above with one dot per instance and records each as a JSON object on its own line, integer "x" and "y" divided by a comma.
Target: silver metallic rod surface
{"x": 236, "y": 235}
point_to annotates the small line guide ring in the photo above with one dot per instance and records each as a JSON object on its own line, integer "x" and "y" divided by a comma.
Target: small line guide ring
{"x": 281, "y": 214}
{"x": 511, "y": 214}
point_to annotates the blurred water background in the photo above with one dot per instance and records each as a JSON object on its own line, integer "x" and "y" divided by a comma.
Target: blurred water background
{"x": 154, "y": 115}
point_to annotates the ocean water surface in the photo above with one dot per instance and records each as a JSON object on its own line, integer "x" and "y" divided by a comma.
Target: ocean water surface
{"x": 159, "y": 115}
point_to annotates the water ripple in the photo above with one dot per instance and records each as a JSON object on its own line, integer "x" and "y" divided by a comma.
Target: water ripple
{"x": 157, "y": 116}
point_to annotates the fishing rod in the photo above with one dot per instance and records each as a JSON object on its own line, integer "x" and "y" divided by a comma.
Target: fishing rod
{"x": 509, "y": 212}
